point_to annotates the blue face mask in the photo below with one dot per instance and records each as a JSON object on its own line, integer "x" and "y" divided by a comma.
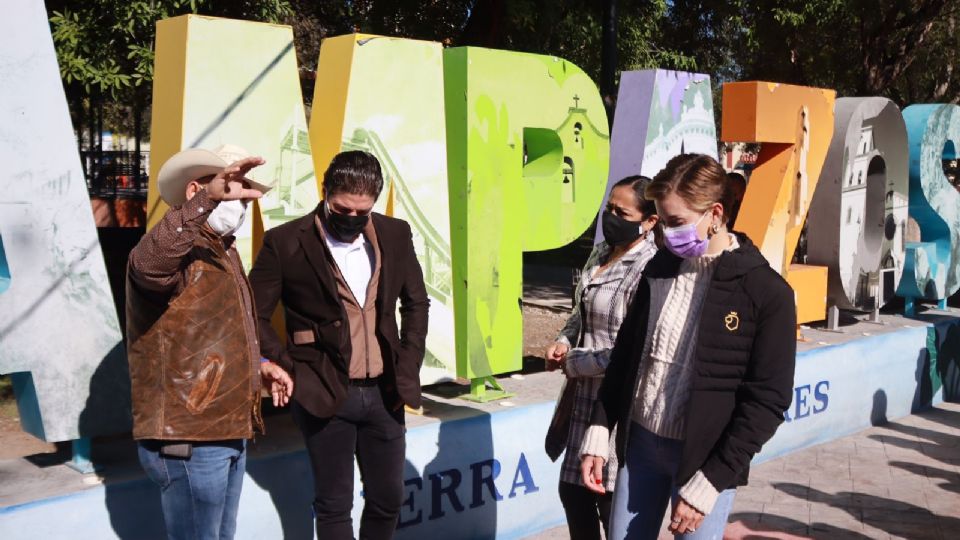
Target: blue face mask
{"x": 684, "y": 241}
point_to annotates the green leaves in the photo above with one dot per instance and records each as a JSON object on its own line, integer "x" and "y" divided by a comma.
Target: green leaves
{"x": 896, "y": 48}
{"x": 107, "y": 45}
{"x": 891, "y": 48}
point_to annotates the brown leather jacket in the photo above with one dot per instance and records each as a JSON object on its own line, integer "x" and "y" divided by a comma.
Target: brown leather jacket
{"x": 191, "y": 335}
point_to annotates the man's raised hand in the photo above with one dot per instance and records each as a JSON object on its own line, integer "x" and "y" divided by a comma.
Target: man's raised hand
{"x": 230, "y": 183}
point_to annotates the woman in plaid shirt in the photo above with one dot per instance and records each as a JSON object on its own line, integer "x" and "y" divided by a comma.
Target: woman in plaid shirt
{"x": 606, "y": 288}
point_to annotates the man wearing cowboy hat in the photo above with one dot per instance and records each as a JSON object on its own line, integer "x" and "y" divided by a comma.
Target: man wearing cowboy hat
{"x": 192, "y": 344}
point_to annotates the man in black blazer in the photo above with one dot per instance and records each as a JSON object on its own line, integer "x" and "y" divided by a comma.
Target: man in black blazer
{"x": 339, "y": 272}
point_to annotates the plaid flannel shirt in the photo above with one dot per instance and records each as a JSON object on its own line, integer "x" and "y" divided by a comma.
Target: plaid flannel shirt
{"x": 601, "y": 304}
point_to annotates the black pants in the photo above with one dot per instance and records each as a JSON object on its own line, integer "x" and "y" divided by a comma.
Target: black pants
{"x": 365, "y": 428}
{"x": 586, "y": 511}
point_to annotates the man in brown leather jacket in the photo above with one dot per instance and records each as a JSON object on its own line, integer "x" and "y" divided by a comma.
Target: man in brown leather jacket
{"x": 340, "y": 271}
{"x": 195, "y": 365}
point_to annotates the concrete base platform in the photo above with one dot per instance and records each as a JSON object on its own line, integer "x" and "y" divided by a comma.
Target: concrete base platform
{"x": 479, "y": 470}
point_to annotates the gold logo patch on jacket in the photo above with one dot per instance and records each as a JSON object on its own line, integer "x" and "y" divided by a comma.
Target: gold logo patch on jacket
{"x": 732, "y": 321}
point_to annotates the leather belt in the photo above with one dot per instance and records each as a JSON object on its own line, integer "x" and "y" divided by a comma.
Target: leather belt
{"x": 369, "y": 381}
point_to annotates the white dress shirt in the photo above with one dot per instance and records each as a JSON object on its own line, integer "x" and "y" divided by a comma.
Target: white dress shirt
{"x": 355, "y": 260}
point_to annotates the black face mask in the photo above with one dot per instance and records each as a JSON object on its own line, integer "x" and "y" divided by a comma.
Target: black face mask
{"x": 618, "y": 231}
{"x": 345, "y": 228}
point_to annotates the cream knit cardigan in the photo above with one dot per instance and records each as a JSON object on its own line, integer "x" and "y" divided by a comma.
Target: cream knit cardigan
{"x": 666, "y": 368}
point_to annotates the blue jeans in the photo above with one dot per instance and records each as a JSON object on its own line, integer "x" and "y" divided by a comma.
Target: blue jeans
{"x": 647, "y": 481}
{"x": 199, "y": 496}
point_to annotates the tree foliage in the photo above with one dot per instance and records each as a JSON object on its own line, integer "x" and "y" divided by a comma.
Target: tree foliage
{"x": 567, "y": 28}
{"x": 107, "y": 45}
{"x": 902, "y": 49}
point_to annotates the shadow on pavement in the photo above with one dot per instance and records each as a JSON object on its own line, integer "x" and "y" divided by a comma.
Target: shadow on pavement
{"x": 894, "y": 517}
{"x": 952, "y": 478}
{"x": 756, "y": 526}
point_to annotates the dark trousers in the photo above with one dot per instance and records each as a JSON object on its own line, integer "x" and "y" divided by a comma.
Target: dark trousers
{"x": 586, "y": 511}
{"x": 365, "y": 428}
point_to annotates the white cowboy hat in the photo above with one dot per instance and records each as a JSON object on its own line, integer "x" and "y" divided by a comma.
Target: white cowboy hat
{"x": 195, "y": 163}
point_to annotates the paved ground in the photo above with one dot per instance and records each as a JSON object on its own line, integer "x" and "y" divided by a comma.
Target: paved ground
{"x": 900, "y": 480}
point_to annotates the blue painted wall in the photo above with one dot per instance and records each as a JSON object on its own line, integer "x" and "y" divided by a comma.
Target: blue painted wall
{"x": 487, "y": 476}
{"x": 845, "y": 388}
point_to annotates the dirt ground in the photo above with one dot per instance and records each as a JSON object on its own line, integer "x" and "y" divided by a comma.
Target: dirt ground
{"x": 14, "y": 442}
{"x": 540, "y": 328}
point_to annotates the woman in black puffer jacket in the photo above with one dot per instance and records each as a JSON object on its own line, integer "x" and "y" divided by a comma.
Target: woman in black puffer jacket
{"x": 702, "y": 369}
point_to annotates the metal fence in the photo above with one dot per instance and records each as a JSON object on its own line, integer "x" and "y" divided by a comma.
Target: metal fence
{"x": 113, "y": 174}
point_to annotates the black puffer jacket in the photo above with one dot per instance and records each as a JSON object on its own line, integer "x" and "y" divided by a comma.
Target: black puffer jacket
{"x": 743, "y": 373}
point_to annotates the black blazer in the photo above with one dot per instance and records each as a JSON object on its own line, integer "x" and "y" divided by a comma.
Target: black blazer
{"x": 293, "y": 267}
{"x": 743, "y": 372}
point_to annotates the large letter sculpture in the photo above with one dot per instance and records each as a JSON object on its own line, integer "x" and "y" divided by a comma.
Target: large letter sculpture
{"x": 660, "y": 114}
{"x": 221, "y": 81}
{"x": 4, "y": 268}
{"x": 385, "y": 96}
{"x": 795, "y": 124}
{"x": 527, "y": 150}
{"x": 859, "y": 211}
{"x": 59, "y": 333}
{"x": 932, "y": 268}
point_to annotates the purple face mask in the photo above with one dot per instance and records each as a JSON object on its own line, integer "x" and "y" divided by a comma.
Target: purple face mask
{"x": 684, "y": 242}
